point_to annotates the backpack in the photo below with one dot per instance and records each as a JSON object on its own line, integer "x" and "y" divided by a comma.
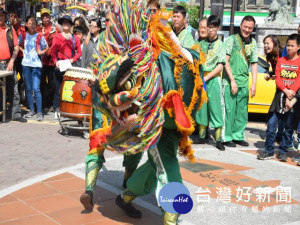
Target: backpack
{"x": 9, "y": 37}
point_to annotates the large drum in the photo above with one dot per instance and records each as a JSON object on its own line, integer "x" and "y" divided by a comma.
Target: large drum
{"x": 76, "y": 93}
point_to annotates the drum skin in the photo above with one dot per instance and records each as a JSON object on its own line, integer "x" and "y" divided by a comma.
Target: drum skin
{"x": 75, "y": 97}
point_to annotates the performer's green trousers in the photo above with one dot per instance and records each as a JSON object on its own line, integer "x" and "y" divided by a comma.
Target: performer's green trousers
{"x": 162, "y": 167}
{"x": 236, "y": 113}
{"x": 213, "y": 111}
{"x": 94, "y": 164}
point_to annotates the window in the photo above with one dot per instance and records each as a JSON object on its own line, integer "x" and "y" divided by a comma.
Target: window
{"x": 251, "y": 2}
{"x": 238, "y": 4}
{"x": 228, "y": 2}
{"x": 267, "y": 2}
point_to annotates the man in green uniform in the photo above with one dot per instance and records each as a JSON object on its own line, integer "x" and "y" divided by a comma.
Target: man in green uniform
{"x": 241, "y": 50}
{"x": 212, "y": 112}
{"x": 202, "y": 29}
{"x": 186, "y": 39}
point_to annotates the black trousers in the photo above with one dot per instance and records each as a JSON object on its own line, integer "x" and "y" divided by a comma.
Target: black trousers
{"x": 47, "y": 86}
{"x": 14, "y": 110}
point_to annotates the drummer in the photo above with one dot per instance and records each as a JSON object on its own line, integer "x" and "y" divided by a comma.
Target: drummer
{"x": 65, "y": 47}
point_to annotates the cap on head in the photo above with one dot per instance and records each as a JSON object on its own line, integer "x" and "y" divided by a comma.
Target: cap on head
{"x": 45, "y": 10}
{"x": 65, "y": 17}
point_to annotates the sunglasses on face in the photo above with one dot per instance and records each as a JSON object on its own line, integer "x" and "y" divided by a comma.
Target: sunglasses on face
{"x": 106, "y": 20}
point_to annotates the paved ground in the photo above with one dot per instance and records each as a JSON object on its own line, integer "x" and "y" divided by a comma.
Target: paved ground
{"x": 42, "y": 177}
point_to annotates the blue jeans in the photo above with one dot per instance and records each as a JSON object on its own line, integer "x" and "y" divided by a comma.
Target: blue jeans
{"x": 58, "y": 78}
{"x": 280, "y": 130}
{"x": 33, "y": 80}
{"x": 287, "y": 119}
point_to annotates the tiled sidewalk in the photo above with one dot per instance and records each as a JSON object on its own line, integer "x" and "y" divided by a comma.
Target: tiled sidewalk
{"x": 56, "y": 201}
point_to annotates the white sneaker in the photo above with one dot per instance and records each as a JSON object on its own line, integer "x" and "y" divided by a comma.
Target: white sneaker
{"x": 39, "y": 117}
{"x": 30, "y": 114}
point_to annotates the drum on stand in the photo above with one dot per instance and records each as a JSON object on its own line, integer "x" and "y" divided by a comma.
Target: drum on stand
{"x": 76, "y": 93}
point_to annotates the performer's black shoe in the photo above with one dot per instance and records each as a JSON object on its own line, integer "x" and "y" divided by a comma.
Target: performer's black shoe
{"x": 220, "y": 146}
{"x": 128, "y": 208}
{"x": 242, "y": 143}
{"x": 229, "y": 144}
{"x": 86, "y": 200}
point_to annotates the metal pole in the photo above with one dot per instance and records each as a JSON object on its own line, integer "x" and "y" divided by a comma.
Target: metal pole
{"x": 201, "y": 10}
{"x": 233, "y": 7}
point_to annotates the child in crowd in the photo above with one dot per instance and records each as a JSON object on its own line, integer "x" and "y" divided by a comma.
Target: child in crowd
{"x": 78, "y": 31}
{"x": 34, "y": 45}
{"x": 80, "y": 21}
{"x": 287, "y": 78}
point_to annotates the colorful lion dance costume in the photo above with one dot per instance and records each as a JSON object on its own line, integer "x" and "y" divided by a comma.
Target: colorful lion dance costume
{"x": 148, "y": 90}
{"x": 137, "y": 96}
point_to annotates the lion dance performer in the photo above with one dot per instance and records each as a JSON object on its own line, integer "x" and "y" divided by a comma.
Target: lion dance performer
{"x": 149, "y": 87}
{"x": 95, "y": 158}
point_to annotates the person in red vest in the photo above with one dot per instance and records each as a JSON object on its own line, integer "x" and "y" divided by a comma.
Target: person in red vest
{"x": 8, "y": 54}
{"x": 48, "y": 30}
